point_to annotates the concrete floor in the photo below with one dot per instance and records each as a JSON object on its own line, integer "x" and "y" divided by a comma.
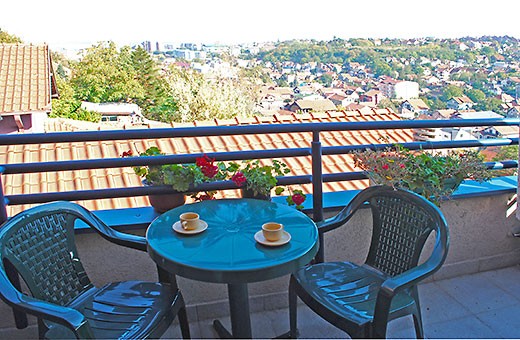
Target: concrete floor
{"x": 483, "y": 305}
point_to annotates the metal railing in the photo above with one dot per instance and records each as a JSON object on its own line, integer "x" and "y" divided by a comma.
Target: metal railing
{"x": 315, "y": 151}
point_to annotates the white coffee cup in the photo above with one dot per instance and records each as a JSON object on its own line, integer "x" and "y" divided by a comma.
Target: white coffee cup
{"x": 272, "y": 231}
{"x": 189, "y": 220}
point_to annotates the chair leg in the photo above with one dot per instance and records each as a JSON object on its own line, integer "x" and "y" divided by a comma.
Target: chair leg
{"x": 293, "y": 309}
{"x": 417, "y": 317}
{"x": 417, "y": 321}
{"x": 183, "y": 322}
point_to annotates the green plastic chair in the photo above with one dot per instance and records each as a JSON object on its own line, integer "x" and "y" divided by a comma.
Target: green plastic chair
{"x": 362, "y": 299}
{"x": 38, "y": 244}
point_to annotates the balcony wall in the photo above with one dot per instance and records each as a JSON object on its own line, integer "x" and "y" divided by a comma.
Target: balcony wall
{"x": 480, "y": 240}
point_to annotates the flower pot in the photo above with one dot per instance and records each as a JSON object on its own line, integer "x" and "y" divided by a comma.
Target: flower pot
{"x": 251, "y": 194}
{"x": 450, "y": 184}
{"x": 163, "y": 203}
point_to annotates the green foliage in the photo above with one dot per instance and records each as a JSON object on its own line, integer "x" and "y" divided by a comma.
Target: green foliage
{"x": 476, "y": 95}
{"x": 199, "y": 98}
{"x": 451, "y": 91}
{"x": 179, "y": 176}
{"x": 104, "y": 74}
{"x": 490, "y": 104}
{"x": 67, "y": 106}
{"x": 431, "y": 174}
{"x": 9, "y": 38}
{"x": 325, "y": 79}
{"x": 260, "y": 179}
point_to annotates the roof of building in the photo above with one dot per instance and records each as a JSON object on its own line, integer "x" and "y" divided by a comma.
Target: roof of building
{"x": 507, "y": 131}
{"x": 26, "y": 78}
{"x": 477, "y": 115}
{"x": 125, "y": 177}
{"x": 316, "y": 105}
{"x": 463, "y": 99}
{"x": 418, "y": 103}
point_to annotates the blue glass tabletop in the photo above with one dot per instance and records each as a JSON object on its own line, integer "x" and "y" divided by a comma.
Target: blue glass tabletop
{"x": 226, "y": 251}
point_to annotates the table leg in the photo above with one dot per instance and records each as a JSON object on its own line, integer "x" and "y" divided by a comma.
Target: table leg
{"x": 239, "y": 311}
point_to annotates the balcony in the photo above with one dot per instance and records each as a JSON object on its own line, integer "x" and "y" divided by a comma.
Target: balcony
{"x": 477, "y": 284}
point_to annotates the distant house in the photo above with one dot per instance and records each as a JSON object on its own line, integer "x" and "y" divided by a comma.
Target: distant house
{"x": 413, "y": 107}
{"x": 304, "y": 106}
{"x": 371, "y": 97}
{"x": 27, "y": 86}
{"x": 443, "y": 114}
{"x": 513, "y": 112}
{"x": 398, "y": 89}
{"x": 123, "y": 113}
{"x": 460, "y": 103}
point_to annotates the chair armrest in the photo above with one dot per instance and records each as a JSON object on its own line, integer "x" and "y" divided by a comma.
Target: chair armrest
{"x": 110, "y": 234}
{"x": 66, "y": 316}
{"x": 344, "y": 215}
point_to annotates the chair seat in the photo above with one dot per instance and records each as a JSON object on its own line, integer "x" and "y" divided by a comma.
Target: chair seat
{"x": 347, "y": 291}
{"x": 130, "y": 309}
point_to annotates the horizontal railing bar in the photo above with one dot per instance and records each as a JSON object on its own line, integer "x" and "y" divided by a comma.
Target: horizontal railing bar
{"x": 509, "y": 164}
{"x": 90, "y": 136}
{"x": 236, "y": 155}
{"x": 19, "y": 168}
{"x": 217, "y": 185}
{"x": 79, "y": 195}
{"x": 428, "y": 145}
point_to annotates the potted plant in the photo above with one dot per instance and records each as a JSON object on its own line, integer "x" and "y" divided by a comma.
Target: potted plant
{"x": 255, "y": 179}
{"x": 431, "y": 174}
{"x": 179, "y": 177}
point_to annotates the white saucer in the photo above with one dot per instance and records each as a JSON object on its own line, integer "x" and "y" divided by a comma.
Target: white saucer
{"x": 259, "y": 237}
{"x": 200, "y": 228}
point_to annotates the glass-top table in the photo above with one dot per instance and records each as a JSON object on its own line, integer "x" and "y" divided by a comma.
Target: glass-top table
{"x": 226, "y": 252}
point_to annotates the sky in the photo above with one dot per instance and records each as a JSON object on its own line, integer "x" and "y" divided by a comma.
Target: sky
{"x": 66, "y": 23}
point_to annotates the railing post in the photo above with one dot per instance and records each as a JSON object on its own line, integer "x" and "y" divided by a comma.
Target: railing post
{"x": 20, "y": 318}
{"x": 317, "y": 188}
{"x": 3, "y": 203}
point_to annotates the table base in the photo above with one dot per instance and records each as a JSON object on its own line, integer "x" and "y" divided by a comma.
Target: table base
{"x": 239, "y": 314}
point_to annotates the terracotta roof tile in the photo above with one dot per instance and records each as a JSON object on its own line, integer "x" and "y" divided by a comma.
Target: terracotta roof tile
{"x": 25, "y": 78}
{"x": 125, "y": 177}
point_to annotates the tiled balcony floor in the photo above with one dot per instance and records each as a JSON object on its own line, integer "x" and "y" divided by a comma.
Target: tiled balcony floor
{"x": 483, "y": 305}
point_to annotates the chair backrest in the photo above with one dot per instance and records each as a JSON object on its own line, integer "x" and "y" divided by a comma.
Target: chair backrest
{"x": 402, "y": 222}
{"x": 39, "y": 243}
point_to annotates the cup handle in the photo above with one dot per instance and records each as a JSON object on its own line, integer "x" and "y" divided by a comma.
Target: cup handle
{"x": 184, "y": 224}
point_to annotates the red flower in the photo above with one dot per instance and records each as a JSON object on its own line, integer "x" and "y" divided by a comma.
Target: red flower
{"x": 127, "y": 153}
{"x": 239, "y": 179}
{"x": 204, "y": 161}
{"x": 385, "y": 166}
{"x": 298, "y": 199}
{"x": 209, "y": 170}
{"x": 402, "y": 166}
{"x": 206, "y": 166}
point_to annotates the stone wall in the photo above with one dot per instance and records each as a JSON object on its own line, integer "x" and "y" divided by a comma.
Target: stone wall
{"x": 480, "y": 240}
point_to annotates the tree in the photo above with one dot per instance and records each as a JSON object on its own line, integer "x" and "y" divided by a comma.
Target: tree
{"x": 68, "y": 106}
{"x": 325, "y": 79}
{"x": 104, "y": 74}
{"x": 9, "y": 38}
{"x": 476, "y": 95}
{"x": 198, "y": 98}
{"x": 154, "y": 84}
{"x": 451, "y": 91}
